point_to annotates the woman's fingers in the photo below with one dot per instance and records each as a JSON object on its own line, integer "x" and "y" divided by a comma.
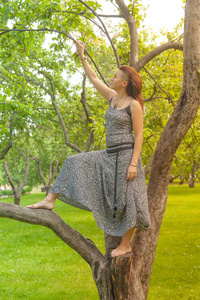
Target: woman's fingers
{"x": 80, "y": 46}
{"x": 131, "y": 174}
{"x": 130, "y": 177}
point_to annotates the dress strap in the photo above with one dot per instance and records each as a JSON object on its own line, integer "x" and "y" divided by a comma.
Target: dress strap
{"x": 128, "y": 108}
{"x": 111, "y": 99}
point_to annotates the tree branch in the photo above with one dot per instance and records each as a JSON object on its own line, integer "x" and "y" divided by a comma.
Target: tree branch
{"x": 168, "y": 96}
{"x": 83, "y": 101}
{"x": 85, "y": 51}
{"x": 58, "y": 31}
{"x": 26, "y": 173}
{"x": 151, "y": 97}
{"x": 11, "y": 137}
{"x": 82, "y": 14}
{"x": 51, "y": 177}
{"x": 111, "y": 16}
{"x": 88, "y": 114}
{"x": 9, "y": 177}
{"x": 133, "y": 32}
{"x": 38, "y": 84}
{"x": 53, "y": 98}
{"x": 84, "y": 247}
{"x": 52, "y": 95}
{"x": 145, "y": 59}
{"x": 89, "y": 141}
{"x": 6, "y": 150}
{"x": 50, "y": 169}
{"x": 106, "y": 32}
{"x": 39, "y": 169}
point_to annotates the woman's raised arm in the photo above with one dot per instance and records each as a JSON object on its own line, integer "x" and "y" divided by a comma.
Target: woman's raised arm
{"x": 105, "y": 91}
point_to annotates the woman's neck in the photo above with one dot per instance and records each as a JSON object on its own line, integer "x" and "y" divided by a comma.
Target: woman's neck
{"x": 121, "y": 95}
{"x": 120, "y": 102}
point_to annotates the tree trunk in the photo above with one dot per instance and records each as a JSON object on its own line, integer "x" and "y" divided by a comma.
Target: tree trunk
{"x": 171, "y": 179}
{"x": 122, "y": 277}
{"x": 17, "y": 191}
{"x": 191, "y": 181}
{"x": 115, "y": 279}
{"x": 192, "y": 174}
{"x": 47, "y": 189}
{"x": 144, "y": 243}
{"x": 181, "y": 180}
{"x": 16, "y": 200}
{"x": 102, "y": 278}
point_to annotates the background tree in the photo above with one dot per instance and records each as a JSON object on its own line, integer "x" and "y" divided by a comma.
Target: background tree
{"x": 17, "y": 182}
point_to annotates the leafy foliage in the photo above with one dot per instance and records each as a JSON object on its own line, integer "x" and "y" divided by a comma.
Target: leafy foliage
{"x": 39, "y": 68}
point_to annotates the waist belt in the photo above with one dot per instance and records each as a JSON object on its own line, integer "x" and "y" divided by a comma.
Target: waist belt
{"x": 124, "y": 146}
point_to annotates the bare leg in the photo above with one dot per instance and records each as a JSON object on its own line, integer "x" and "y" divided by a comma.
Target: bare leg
{"x": 47, "y": 203}
{"x": 125, "y": 245}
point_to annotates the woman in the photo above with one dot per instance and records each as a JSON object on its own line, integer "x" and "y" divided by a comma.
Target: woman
{"x": 110, "y": 182}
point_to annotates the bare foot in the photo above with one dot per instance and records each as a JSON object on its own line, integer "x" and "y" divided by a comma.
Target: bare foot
{"x": 47, "y": 204}
{"x": 121, "y": 250}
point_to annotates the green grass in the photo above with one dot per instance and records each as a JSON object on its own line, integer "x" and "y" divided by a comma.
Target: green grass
{"x": 36, "y": 264}
{"x": 176, "y": 270}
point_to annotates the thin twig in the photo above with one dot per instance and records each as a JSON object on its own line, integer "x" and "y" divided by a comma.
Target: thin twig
{"x": 107, "y": 34}
{"x": 169, "y": 98}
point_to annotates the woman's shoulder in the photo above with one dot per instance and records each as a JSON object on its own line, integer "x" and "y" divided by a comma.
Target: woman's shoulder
{"x": 133, "y": 101}
{"x": 135, "y": 104}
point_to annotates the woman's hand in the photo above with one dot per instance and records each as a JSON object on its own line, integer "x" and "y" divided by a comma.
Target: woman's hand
{"x": 103, "y": 89}
{"x": 80, "y": 47}
{"x": 131, "y": 172}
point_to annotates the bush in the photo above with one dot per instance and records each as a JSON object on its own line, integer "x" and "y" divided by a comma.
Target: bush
{"x": 6, "y": 193}
{"x": 28, "y": 189}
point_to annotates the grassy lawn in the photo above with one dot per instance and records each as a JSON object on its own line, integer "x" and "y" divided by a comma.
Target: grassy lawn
{"x": 176, "y": 270}
{"x": 36, "y": 264}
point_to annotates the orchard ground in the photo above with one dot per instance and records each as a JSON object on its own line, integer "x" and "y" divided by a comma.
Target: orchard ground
{"x": 36, "y": 264}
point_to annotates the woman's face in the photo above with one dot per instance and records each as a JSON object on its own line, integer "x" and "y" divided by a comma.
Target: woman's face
{"x": 117, "y": 82}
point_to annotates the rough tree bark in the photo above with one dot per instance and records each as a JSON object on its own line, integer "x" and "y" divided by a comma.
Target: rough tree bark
{"x": 135, "y": 270}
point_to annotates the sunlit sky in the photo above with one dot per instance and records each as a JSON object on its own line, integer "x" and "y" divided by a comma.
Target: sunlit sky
{"x": 160, "y": 13}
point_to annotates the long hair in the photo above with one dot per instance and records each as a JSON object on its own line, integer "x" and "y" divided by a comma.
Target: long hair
{"x": 134, "y": 87}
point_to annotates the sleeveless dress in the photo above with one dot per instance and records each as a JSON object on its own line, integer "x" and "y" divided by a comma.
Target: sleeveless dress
{"x": 96, "y": 180}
